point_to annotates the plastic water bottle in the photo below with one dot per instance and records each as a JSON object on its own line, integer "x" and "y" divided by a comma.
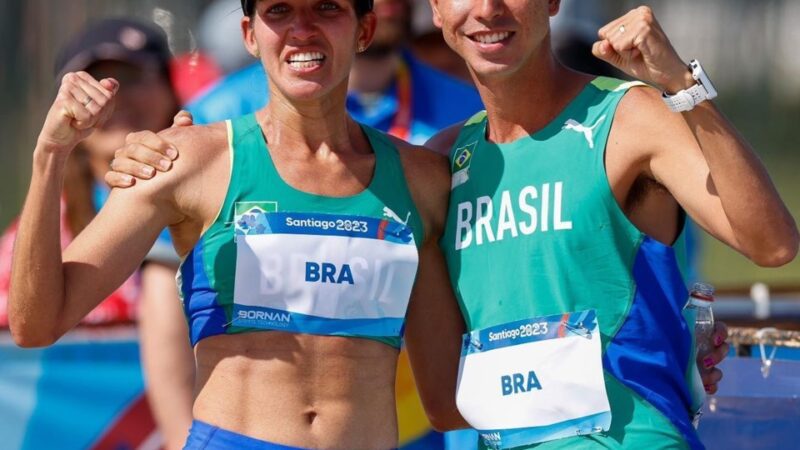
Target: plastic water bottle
{"x": 700, "y": 300}
{"x": 698, "y": 311}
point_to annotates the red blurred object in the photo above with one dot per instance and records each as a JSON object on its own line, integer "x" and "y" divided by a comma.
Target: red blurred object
{"x": 119, "y": 307}
{"x": 191, "y": 74}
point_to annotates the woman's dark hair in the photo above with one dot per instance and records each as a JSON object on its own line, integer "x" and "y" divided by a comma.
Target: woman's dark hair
{"x": 362, "y": 7}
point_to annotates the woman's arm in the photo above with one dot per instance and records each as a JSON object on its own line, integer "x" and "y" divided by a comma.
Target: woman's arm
{"x": 51, "y": 292}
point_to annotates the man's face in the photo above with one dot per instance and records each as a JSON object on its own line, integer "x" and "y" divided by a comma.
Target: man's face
{"x": 394, "y": 25}
{"x": 495, "y": 37}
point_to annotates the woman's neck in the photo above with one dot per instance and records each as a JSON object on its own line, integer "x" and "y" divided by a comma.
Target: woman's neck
{"x": 313, "y": 126}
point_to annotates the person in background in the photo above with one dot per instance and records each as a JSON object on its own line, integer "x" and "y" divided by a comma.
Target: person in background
{"x": 136, "y": 54}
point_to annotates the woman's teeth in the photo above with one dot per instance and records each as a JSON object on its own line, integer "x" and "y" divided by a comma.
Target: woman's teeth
{"x": 306, "y": 59}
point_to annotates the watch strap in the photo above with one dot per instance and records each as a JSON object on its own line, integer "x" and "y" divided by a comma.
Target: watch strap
{"x": 686, "y": 99}
{"x": 681, "y": 101}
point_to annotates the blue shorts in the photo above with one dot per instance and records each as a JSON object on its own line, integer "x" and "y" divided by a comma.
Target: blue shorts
{"x": 203, "y": 436}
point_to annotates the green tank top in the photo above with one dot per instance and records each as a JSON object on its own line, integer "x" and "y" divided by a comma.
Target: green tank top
{"x": 277, "y": 258}
{"x": 533, "y": 229}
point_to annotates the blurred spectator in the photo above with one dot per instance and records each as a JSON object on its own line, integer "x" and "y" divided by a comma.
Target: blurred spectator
{"x": 135, "y": 54}
{"x": 429, "y": 46}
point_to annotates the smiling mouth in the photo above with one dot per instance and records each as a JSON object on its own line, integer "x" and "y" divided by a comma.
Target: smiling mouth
{"x": 306, "y": 60}
{"x": 491, "y": 38}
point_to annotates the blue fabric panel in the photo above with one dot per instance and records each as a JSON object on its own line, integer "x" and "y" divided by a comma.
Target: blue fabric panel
{"x": 432, "y": 440}
{"x": 206, "y": 317}
{"x": 203, "y": 436}
{"x": 652, "y": 349}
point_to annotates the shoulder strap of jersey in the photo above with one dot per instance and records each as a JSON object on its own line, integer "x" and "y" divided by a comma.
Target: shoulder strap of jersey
{"x": 470, "y": 132}
{"x": 391, "y": 183}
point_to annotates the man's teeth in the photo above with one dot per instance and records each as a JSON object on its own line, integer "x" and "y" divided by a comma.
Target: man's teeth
{"x": 306, "y": 57}
{"x": 492, "y": 38}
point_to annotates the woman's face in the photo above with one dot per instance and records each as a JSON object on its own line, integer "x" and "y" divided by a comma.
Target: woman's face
{"x": 307, "y": 46}
{"x": 145, "y": 101}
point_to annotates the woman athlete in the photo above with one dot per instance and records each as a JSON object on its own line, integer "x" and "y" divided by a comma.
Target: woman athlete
{"x": 295, "y": 220}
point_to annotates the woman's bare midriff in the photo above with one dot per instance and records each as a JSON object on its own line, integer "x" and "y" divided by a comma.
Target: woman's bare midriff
{"x": 319, "y": 392}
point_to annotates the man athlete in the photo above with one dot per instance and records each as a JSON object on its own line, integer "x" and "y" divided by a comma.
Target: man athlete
{"x": 567, "y": 195}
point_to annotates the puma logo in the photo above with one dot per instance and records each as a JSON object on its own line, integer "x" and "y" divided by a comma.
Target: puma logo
{"x": 387, "y": 212}
{"x": 588, "y": 132}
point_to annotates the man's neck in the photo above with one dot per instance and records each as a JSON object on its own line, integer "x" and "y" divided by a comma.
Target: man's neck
{"x": 374, "y": 74}
{"x": 526, "y": 101}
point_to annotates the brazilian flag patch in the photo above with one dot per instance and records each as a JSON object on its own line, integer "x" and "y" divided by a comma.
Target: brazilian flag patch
{"x": 249, "y": 216}
{"x": 462, "y": 158}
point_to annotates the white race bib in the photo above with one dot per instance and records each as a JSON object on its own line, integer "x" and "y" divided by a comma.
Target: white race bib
{"x": 534, "y": 380}
{"x": 323, "y": 274}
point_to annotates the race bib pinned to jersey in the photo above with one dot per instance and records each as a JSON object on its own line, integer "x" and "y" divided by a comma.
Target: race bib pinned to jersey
{"x": 534, "y": 380}
{"x": 324, "y": 274}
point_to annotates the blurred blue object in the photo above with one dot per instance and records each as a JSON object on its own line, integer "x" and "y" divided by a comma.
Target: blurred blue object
{"x": 753, "y": 412}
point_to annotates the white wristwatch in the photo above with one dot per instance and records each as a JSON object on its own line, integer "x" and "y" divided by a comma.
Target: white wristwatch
{"x": 687, "y": 99}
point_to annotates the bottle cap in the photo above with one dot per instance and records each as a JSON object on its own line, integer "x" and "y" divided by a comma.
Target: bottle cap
{"x": 702, "y": 291}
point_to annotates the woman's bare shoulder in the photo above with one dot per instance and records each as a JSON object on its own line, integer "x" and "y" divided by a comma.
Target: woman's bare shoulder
{"x": 198, "y": 141}
{"x": 202, "y": 152}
